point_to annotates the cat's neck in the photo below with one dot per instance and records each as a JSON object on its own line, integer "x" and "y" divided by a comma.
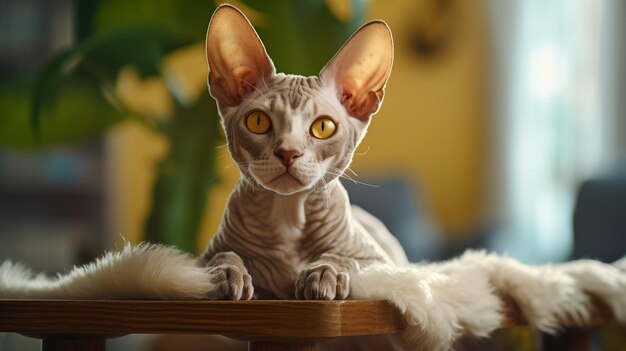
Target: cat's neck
{"x": 285, "y": 211}
{"x": 247, "y": 188}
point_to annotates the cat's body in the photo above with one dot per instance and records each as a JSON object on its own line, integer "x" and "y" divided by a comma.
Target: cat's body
{"x": 289, "y": 231}
{"x": 279, "y": 236}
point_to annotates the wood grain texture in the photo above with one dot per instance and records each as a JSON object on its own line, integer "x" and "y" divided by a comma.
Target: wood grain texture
{"x": 245, "y": 319}
{"x": 250, "y": 320}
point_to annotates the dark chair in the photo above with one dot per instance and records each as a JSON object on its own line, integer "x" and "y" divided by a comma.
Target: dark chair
{"x": 600, "y": 219}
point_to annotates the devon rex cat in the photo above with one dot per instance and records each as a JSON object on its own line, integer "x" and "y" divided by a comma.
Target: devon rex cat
{"x": 289, "y": 223}
{"x": 288, "y": 230}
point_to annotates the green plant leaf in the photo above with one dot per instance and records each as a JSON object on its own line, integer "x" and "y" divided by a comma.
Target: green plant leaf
{"x": 82, "y": 114}
{"x": 98, "y": 60}
{"x": 189, "y": 17}
{"x": 185, "y": 176}
{"x": 302, "y": 36}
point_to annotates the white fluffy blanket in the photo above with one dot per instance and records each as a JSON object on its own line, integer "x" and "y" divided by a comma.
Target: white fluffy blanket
{"x": 440, "y": 301}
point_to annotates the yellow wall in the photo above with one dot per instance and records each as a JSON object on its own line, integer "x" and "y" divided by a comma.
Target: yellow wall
{"x": 431, "y": 128}
{"x": 432, "y": 123}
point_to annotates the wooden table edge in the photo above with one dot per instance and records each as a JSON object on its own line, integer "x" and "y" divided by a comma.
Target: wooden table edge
{"x": 251, "y": 319}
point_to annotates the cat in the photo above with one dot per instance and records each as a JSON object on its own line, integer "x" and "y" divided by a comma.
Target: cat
{"x": 288, "y": 224}
{"x": 288, "y": 230}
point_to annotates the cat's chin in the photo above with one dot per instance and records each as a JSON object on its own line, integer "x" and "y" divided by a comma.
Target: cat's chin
{"x": 285, "y": 184}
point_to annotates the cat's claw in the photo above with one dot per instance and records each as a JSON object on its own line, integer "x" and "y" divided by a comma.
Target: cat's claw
{"x": 322, "y": 282}
{"x": 232, "y": 283}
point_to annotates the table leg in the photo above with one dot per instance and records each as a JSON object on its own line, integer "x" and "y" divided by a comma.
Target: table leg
{"x": 571, "y": 339}
{"x": 73, "y": 344}
{"x": 282, "y": 346}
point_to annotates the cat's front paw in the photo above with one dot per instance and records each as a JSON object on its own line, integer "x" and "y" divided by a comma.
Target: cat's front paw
{"x": 322, "y": 282}
{"x": 231, "y": 283}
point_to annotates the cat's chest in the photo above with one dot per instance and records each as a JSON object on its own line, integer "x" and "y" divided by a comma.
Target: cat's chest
{"x": 280, "y": 237}
{"x": 275, "y": 267}
{"x": 290, "y": 236}
{"x": 276, "y": 270}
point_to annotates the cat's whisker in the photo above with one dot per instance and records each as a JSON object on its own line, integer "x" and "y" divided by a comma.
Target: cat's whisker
{"x": 250, "y": 183}
{"x": 341, "y": 175}
{"x": 333, "y": 173}
{"x": 255, "y": 185}
{"x": 223, "y": 171}
{"x": 263, "y": 80}
{"x": 353, "y": 172}
{"x": 255, "y": 88}
{"x": 344, "y": 176}
{"x": 326, "y": 190}
{"x": 362, "y": 153}
{"x": 361, "y": 183}
{"x": 237, "y": 164}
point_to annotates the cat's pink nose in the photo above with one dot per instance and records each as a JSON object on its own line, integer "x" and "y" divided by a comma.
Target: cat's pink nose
{"x": 287, "y": 156}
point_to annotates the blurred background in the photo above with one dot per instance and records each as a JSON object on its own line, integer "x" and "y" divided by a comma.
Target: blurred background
{"x": 503, "y": 126}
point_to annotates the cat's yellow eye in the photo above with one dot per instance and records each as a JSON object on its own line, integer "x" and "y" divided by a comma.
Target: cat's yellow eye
{"x": 323, "y": 128}
{"x": 258, "y": 122}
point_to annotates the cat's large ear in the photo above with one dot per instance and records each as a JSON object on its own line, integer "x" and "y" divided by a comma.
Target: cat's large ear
{"x": 361, "y": 68}
{"x": 236, "y": 56}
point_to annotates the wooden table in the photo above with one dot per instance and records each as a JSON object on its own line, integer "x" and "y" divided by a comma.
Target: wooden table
{"x": 267, "y": 325}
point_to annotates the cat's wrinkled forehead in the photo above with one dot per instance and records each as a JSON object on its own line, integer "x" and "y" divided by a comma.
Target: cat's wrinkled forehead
{"x": 293, "y": 91}
{"x": 301, "y": 96}
{"x": 291, "y": 95}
